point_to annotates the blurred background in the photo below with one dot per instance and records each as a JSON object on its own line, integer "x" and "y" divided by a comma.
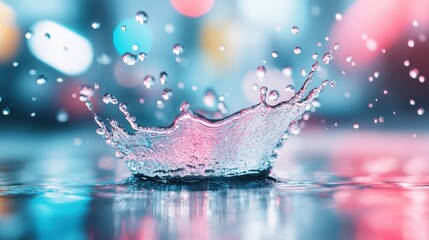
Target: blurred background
{"x": 361, "y": 160}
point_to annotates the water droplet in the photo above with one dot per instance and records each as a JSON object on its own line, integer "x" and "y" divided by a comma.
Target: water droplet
{"x": 47, "y": 35}
{"x": 420, "y": 111}
{"x": 184, "y": 107}
{"x": 274, "y": 54}
{"x": 356, "y": 126}
{"x": 303, "y": 72}
{"x": 60, "y": 80}
{"x": 287, "y": 71}
{"x": 123, "y": 28}
{"x": 411, "y": 43}
{"x": 148, "y": 81}
{"x": 177, "y": 49}
{"x": 109, "y": 98}
{"x": 163, "y": 78}
{"x": 381, "y": 119}
{"x": 96, "y": 86}
{"x": 129, "y": 59}
{"x": 415, "y": 23}
{"x": 142, "y": 56}
{"x": 141, "y": 100}
{"x": 370, "y": 105}
{"x": 28, "y": 35}
{"x": 371, "y": 44}
{"x": 62, "y": 116}
{"x": 333, "y": 83}
{"x": 194, "y": 88}
{"x": 327, "y": 58}
{"x": 297, "y": 50}
{"x": 41, "y": 79}
{"x": 414, "y": 73}
{"x": 336, "y": 46}
{"x": 375, "y": 120}
{"x": 294, "y": 29}
{"x": 347, "y": 94}
{"x": 95, "y": 24}
{"x": 33, "y": 114}
{"x": 6, "y": 111}
{"x": 385, "y": 92}
{"x": 422, "y": 37}
{"x": 314, "y": 56}
{"x": 261, "y": 71}
{"x": 422, "y": 78}
{"x": 338, "y": 16}
{"x": 407, "y": 63}
{"x": 274, "y": 95}
{"x": 221, "y": 48}
{"x": 15, "y": 64}
{"x": 1, "y": 98}
{"x": 344, "y": 72}
{"x": 167, "y": 94}
{"x": 142, "y": 17}
{"x": 412, "y": 102}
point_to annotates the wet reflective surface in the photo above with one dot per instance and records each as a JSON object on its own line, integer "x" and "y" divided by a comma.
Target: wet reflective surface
{"x": 329, "y": 186}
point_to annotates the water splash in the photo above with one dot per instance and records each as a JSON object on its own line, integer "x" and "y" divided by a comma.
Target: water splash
{"x": 195, "y": 147}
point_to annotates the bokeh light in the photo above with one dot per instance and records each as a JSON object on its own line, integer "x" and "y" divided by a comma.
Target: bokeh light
{"x": 60, "y": 48}
{"x": 130, "y": 36}
{"x": 192, "y": 8}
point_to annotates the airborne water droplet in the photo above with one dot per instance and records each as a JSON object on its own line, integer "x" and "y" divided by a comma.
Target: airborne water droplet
{"x": 41, "y": 79}
{"x": 129, "y": 59}
{"x": 260, "y": 71}
{"x": 47, "y": 35}
{"x": 349, "y": 58}
{"x": 142, "y": 56}
{"x": 167, "y": 94}
{"x": 294, "y": 29}
{"x": 297, "y": 50}
{"x": 356, "y": 126}
{"x": 142, "y": 17}
{"x": 420, "y": 111}
{"x": 314, "y": 56}
{"x": 336, "y": 46}
{"x": 327, "y": 58}
{"x": 177, "y": 49}
{"x": 148, "y": 81}
{"x": 338, "y": 16}
{"x": 412, "y": 102}
{"x": 411, "y": 43}
{"x": 274, "y": 54}
{"x": 163, "y": 78}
